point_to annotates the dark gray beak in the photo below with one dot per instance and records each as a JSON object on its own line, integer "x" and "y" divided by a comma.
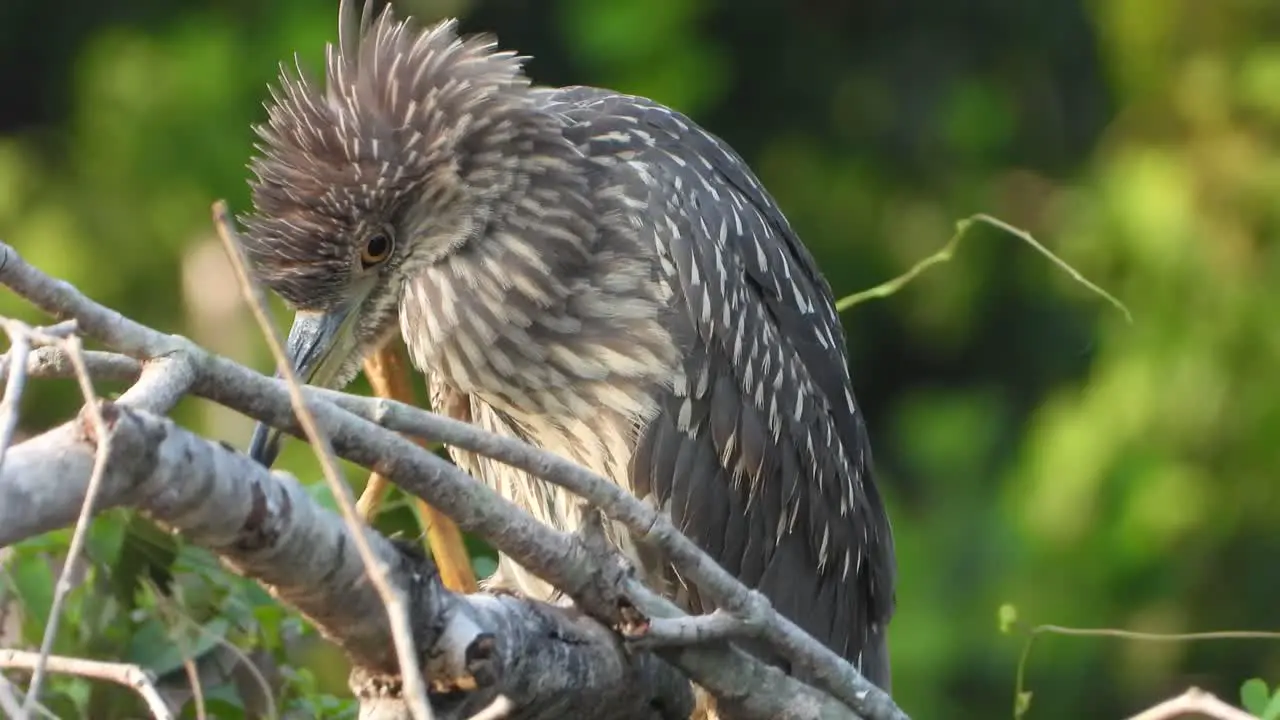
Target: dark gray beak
{"x": 264, "y": 447}
{"x": 318, "y": 345}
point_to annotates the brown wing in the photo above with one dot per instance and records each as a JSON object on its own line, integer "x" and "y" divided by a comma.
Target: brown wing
{"x": 760, "y": 453}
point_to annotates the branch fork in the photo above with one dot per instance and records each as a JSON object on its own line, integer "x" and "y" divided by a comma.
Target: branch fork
{"x": 280, "y": 537}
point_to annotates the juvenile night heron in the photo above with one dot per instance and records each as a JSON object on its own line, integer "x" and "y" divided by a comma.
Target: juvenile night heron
{"x": 595, "y": 274}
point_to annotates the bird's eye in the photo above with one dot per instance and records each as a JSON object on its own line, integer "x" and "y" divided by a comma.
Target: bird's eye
{"x": 377, "y": 248}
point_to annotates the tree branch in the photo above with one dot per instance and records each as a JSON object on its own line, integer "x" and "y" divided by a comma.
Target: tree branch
{"x": 50, "y": 363}
{"x": 85, "y": 516}
{"x": 596, "y": 582}
{"x": 130, "y": 676}
{"x": 266, "y": 526}
{"x": 392, "y": 598}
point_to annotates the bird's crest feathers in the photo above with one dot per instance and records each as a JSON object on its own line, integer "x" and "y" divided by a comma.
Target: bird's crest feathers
{"x": 398, "y": 106}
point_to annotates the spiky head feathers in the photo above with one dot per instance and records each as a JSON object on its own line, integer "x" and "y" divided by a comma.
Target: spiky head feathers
{"x": 395, "y": 143}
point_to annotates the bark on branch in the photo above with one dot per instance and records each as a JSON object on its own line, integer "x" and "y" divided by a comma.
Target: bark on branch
{"x": 594, "y": 577}
{"x": 267, "y": 527}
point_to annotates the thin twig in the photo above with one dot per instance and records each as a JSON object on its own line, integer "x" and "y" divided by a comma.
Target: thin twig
{"x": 52, "y": 362}
{"x": 1020, "y": 694}
{"x": 1193, "y": 702}
{"x": 50, "y": 335}
{"x": 8, "y": 701}
{"x": 168, "y": 611}
{"x": 193, "y": 677}
{"x": 692, "y": 630}
{"x": 496, "y": 710}
{"x": 410, "y": 671}
{"x": 889, "y": 287}
{"x": 1156, "y": 637}
{"x": 179, "y": 622}
{"x": 130, "y": 676}
{"x": 16, "y": 694}
{"x": 19, "y": 350}
{"x": 161, "y": 384}
{"x": 103, "y": 438}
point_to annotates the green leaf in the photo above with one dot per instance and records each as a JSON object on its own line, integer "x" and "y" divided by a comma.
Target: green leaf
{"x": 254, "y": 594}
{"x": 64, "y": 699}
{"x": 1022, "y": 705}
{"x": 105, "y": 539}
{"x": 269, "y": 619}
{"x": 154, "y": 649}
{"x": 1272, "y": 711}
{"x": 53, "y": 543}
{"x": 33, "y": 581}
{"x": 147, "y": 553}
{"x": 226, "y": 698}
{"x": 98, "y": 615}
{"x": 1254, "y": 696}
{"x": 1008, "y": 616}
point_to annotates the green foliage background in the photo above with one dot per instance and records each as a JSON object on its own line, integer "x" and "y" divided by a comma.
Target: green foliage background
{"x": 1034, "y": 448}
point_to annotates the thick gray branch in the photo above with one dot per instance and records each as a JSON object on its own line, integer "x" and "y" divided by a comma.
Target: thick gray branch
{"x": 593, "y": 580}
{"x": 739, "y": 676}
{"x": 267, "y": 527}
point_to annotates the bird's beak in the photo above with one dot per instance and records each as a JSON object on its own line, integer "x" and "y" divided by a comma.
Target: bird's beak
{"x": 318, "y": 346}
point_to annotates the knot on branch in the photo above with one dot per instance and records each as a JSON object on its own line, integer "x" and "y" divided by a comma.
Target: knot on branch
{"x": 755, "y": 610}
{"x": 128, "y": 440}
{"x": 424, "y": 593}
{"x": 262, "y": 526}
{"x": 482, "y": 661}
{"x": 604, "y": 589}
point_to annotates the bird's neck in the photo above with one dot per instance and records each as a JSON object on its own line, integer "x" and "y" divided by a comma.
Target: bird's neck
{"x": 555, "y": 311}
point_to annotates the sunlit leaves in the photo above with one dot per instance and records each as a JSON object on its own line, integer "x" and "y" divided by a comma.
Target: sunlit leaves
{"x": 1260, "y": 700}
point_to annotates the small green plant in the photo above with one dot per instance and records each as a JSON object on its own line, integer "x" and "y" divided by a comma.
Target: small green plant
{"x": 1255, "y": 696}
{"x": 161, "y": 606}
{"x": 1260, "y": 700}
{"x": 948, "y": 251}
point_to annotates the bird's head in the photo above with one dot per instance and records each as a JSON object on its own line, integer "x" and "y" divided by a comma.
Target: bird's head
{"x": 391, "y": 165}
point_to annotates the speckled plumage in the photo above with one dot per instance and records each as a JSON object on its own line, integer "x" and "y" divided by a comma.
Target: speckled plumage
{"x": 594, "y": 273}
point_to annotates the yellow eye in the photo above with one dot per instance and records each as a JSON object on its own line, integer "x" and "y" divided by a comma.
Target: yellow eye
{"x": 377, "y": 248}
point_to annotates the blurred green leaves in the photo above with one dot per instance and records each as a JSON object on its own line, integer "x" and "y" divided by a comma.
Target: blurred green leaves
{"x": 648, "y": 47}
{"x": 1259, "y": 700}
{"x": 1035, "y": 449}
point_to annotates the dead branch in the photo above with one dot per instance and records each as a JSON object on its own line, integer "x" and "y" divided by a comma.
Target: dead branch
{"x": 130, "y": 676}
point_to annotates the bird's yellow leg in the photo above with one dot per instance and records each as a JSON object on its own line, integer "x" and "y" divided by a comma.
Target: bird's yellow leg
{"x": 390, "y": 379}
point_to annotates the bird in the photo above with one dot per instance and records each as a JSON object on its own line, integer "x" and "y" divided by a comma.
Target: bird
{"x": 590, "y": 272}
